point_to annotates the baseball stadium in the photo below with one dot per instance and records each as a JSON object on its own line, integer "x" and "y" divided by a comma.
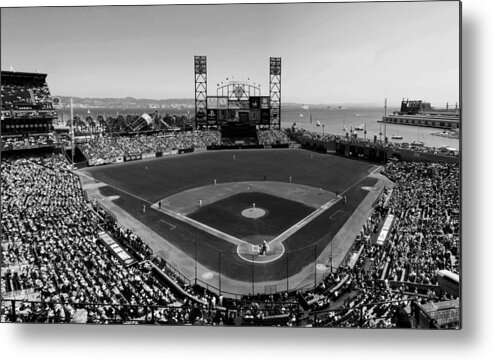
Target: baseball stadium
{"x": 228, "y": 218}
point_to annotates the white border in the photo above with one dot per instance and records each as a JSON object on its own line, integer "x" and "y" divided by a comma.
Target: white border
{"x": 60, "y": 342}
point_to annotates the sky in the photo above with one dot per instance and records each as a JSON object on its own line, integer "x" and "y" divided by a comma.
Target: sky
{"x": 331, "y": 52}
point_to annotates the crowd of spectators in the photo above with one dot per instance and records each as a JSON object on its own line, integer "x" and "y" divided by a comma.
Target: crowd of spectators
{"x": 341, "y": 299}
{"x": 373, "y": 290}
{"x": 425, "y": 237}
{"x": 52, "y": 253}
{"x": 107, "y": 147}
{"x": 303, "y": 134}
{"x": 36, "y": 94}
{"x": 273, "y": 136}
{"x": 110, "y": 147}
{"x": 28, "y": 142}
{"x": 417, "y": 147}
{"x": 51, "y": 249}
{"x": 50, "y": 244}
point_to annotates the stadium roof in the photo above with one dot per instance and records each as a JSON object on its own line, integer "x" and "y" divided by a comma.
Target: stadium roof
{"x": 19, "y": 74}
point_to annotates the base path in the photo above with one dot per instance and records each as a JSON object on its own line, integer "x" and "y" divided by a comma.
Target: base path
{"x": 186, "y": 202}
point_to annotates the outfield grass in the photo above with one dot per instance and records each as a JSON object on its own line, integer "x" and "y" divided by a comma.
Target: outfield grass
{"x": 159, "y": 178}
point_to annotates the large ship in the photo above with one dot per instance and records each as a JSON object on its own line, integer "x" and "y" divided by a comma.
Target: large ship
{"x": 419, "y": 113}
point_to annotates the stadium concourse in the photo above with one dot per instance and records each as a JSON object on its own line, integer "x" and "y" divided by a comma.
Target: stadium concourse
{"x": 65, "y": 258}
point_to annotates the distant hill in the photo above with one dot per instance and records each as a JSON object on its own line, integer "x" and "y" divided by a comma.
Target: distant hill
{"x": 134, "y": 103}
{"x": 128, "y": 102}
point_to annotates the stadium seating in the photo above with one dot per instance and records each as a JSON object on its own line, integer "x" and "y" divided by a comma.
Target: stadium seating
{"x": 33, "y": 96}
{"x": 27, "y": 106}
{"x": 110, "y": 147}
{"x": 53, "y": 252}
{"x": 273, "y": 136}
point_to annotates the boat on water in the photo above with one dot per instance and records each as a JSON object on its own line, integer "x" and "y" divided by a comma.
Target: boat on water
{"x": 447, "y": 148}
{"x": 360, "y": 127}
{"x": 454, "y": 134}
{"x": 417, "y": 143}
{"x": 318, "y": 123}
{"x": 396, "y": 136}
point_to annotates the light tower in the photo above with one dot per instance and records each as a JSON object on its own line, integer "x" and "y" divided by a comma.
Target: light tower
{"x": 275, "y": 92}
{"x": 200, "y": 91}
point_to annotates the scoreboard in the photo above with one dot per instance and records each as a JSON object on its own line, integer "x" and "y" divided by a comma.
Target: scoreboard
{"x": 238, "y": 102}
{"x": 254, "y": 110}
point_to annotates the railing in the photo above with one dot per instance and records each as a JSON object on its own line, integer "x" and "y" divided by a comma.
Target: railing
{"x": 361, "y": 316}
{"x": 171, "y": 271}
{"x": 25, "y": 292}
{"x": 99, "y": 313}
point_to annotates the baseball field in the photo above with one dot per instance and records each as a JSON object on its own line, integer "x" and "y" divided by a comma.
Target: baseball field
{"x": 209, "y": 213}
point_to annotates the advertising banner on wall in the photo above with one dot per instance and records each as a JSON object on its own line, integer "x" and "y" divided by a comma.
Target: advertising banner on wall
{"x": 233, "y": 115}
{"x": 148, "y": 155}
{"x": 211, "y": 102}
{"x": 211, "y": 115}
{"x": 128, "y": 158}
{"x": 244, "y": 104}
{"x": 222, "y": 116}
{"x": 265, "y": 102}
{"x": 254, "y": 116}
{"x": 265, "y": 116}
{"x": 244, "y": 116}
{"x": 254, "y": 102}
{"x": 222, "y": 103}
{"x": 234, "y": 104}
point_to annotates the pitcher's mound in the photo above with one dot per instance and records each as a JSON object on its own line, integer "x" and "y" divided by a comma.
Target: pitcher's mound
{"x": 253, "y": 212}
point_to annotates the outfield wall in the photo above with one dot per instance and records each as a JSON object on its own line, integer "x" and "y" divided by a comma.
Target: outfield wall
{"x": 374, "y": 151}
{"x": 384, "y": 152}
{"x": 129, "y": 158}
